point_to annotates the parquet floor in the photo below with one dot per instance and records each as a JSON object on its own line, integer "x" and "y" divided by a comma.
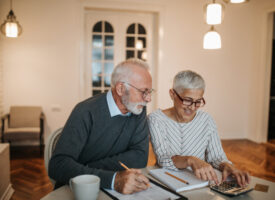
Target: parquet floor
{"x": 28, "y": 174}
{"x": 30, "y": 180}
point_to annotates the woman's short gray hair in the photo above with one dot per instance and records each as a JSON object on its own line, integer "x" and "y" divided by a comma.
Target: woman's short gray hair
{"x": 188, "y": 80}
{"x": 123, "y": 71}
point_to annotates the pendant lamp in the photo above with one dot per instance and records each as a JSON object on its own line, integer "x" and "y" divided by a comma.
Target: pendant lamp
{"x": 235, "y": 1}
{"x": 212, "y": 39}
{"x": 11, "y": 27}
{"x": 214, "y": 13}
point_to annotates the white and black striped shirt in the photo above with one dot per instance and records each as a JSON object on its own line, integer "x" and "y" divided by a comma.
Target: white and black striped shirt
{"x": 197, "y": 138}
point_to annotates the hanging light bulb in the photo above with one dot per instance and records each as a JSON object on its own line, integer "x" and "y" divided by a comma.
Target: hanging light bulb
{"x": 139, "y": 44}
{"x": 214, "y": 13}
{"x": 11, "y": 27}
{"x": 235, "y": 1}
{"x": 212, "y": 39}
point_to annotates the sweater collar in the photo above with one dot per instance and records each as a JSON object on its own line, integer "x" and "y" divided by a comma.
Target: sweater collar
{"x": 113, "y": 109}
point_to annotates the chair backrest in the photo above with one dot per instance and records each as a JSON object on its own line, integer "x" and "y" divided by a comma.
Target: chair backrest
{"x": 25, "y": 116}
{"x": 49, "y": 148}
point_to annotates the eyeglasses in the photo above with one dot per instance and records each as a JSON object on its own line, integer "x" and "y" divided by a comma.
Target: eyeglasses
{"x": 144, "y": 93}
{"x": 189, "y": 102}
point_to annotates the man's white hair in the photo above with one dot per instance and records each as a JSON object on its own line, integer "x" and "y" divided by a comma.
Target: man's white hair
{"x": 188, "y": 80}
{"x": 123, "y": 71}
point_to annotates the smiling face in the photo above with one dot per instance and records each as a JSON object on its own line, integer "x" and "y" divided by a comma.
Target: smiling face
{"x": 186, "y": 113}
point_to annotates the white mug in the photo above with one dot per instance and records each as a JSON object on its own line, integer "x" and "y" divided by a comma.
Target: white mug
{"x": 85, "y": 187}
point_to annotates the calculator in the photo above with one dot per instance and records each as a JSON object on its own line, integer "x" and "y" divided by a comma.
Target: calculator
{"x": 230, "y": 188}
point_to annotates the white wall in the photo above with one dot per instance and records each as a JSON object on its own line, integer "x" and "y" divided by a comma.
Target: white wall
{"x": 43, "y": 66}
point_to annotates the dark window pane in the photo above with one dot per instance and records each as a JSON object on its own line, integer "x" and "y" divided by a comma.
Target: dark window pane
{"x": 107, "y": 81}
{"x": 108, "y": 28}
{"x": 96, "y": 81}
{"x": 95, "y": 92}
{"x": 131, "y": 29}
{"x": 109, "y": 40}
{"x": 143, "y": 39}
{"x": 97, "y": 54}
{"x": 97, "y": 41}
{"x": 108, "y": 68}
{"x": 108, "y": 54}
{"x": 141, "y": 29}
{"x": 139, "y": 54}
{"x": 97, "y": 27}
{"x": 96, "y": 68}
{"x": 130, "y": 42}
{"x": 130, "y": 54}
{"x": 106, "y": 90}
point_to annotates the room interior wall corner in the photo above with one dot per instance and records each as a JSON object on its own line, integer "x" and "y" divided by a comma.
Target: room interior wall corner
{"x": 265, "y": 65}
{"x": 1, "y": 77}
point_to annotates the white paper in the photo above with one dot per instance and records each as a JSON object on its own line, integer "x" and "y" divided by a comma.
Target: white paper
{"x": 175, "y": 184}
{"x": 152, "y": 193}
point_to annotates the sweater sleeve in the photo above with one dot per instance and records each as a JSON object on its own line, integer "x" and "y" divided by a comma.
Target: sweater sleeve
{"x": 159, "y": 142}
{"x": 136, "y": 155}
{"x": 64, "y": 163}
{"x": 214, "y": 152}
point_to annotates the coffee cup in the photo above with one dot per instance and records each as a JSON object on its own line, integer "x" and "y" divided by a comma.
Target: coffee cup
{"x": 85, "y": 187}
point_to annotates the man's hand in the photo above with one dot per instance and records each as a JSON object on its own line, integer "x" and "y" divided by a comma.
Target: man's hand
{"x": 130, "y": 181}
{"x": 201, "y": 169}
{"x": 242, "y": 177}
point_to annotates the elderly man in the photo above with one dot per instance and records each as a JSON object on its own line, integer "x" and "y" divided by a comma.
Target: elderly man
{"x": 107, "y": 129}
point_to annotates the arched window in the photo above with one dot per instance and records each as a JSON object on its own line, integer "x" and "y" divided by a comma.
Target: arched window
{"x": 136, "y": 42}
{"x": 102, "y": 63}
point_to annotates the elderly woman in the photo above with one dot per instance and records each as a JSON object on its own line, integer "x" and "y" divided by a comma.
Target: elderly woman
{"x": 184, "y": 136}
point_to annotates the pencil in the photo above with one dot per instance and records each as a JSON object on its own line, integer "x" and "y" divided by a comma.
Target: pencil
{"x": 179, "y": 179}
{"x": 125, "y": 167}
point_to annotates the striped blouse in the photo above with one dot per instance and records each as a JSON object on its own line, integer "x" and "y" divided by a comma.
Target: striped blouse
{"x": 198, "y": 138}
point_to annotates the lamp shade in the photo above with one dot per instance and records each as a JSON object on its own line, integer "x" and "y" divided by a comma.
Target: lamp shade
{"x": 214, "y": 13}
{"x": 237, "y": 1}
{"x": 11, "y": 27}
{"x": 212, "y": 40}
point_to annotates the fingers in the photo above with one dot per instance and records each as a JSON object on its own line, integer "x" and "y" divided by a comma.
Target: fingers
{"x": 142, "y": 179}
{"x": 225, "y": 174}
{"x": 242, "y": 178}
{"x": 207, "y": 174}
{"x": 130, "y": 181}
{"x": 214, "y": 176}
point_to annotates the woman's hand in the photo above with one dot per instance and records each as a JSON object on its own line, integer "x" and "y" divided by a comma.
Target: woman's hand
{"x": 242, "y": 177}
{"x": 201, "y": 169}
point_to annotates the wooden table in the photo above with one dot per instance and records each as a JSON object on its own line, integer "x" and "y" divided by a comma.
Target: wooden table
{"x": 64, "y": 193}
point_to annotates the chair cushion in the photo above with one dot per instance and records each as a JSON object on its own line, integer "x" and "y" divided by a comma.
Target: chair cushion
{"x": 22, "y": 133}
{"x": 25, "y": 116}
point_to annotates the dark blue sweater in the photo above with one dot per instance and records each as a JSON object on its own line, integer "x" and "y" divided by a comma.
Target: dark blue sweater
{"x": 93, "y": 143}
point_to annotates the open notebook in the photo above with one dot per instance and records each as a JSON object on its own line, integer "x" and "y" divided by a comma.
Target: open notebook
{"x": 175, "y": 184}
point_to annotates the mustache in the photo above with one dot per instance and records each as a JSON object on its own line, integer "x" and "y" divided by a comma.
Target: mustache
{"x": 142, "y": 104}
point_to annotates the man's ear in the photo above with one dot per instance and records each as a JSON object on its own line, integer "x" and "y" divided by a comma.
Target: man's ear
{"x": 171, "y": 92}
{"x": 120, "y": 89}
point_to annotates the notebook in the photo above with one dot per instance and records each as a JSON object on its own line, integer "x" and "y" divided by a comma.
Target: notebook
{"x": 175, "y": 184}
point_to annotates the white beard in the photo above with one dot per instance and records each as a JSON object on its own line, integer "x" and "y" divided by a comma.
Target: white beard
{"x": 132, "y": 107}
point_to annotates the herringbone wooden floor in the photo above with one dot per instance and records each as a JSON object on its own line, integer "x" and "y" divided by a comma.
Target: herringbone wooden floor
{"x": 30, "y": 180}
{"x": 28, "y": 174}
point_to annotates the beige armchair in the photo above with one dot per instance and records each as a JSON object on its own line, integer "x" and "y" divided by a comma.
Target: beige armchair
{"x": 23, "y": 123}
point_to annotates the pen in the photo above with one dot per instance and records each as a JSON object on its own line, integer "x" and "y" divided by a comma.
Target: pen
{"x": 179, "y": 179}
{"x": 125, "y": 167}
